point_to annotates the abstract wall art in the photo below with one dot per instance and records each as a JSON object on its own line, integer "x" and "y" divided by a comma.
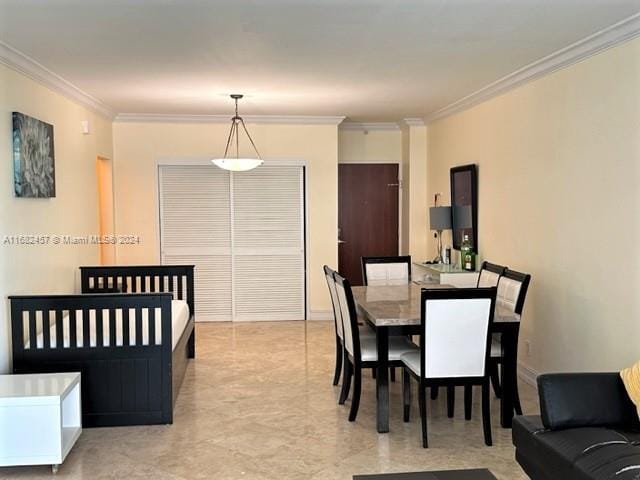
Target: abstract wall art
{"x": 33, "y": 157}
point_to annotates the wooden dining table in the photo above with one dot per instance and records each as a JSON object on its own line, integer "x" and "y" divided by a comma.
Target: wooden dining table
{"x": 395, "y": 310}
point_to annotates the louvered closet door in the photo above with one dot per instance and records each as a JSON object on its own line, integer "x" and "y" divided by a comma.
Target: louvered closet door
{"x": 195, "y": 224}
{"x": 268, "y": 243}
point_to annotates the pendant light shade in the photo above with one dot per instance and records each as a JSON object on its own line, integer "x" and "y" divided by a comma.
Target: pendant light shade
{"x": 235, "y": 163}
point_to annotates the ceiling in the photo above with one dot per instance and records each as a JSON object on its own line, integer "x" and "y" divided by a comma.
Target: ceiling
{"x": 371, "y": 60}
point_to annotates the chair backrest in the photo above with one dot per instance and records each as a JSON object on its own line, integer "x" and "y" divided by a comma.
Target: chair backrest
{"x": 455, "y": 333}
{"x": 337, "y": 315}
{"x": 386, "y": 270}
{"x": 512, "y": 290}
{"x": 349, "y": 316}
{"x": 489, "y": 275}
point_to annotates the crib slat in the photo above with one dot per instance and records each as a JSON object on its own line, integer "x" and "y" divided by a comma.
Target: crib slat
{"x": 134, "y": 284}
{"x": 73, "y": 332}
{"x": 152, "y": 326}
{"x": 112, "y": 327}
{"x": 125, "y": 327}
{"x": 170, "y": 283}
{"x": 46, "y": 332}
{"x": 59, "y": 331}
{"x": 86, "y": 335}
{"x": 33, "y": 340}
{"x": 138, "y": 326}
{"x": 179, "y": 287}
{"x": 99, "y": 330}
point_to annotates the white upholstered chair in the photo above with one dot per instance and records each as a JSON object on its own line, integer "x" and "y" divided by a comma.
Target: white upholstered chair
{"x": 455, "y": 343}
{"x": 337, "y": 319}
{"x": 490, "y": 274}
{"x": 512, "y": 292}
{"x": 361, "y": 351}
{"x": 386, "y": 270}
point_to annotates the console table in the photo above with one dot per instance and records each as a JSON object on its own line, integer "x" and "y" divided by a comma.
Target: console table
{"x": 443, "y": 274}
{"x": 40, "y": 417}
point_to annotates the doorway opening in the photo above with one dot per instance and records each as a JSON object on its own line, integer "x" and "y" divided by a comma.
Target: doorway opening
{"x": 104, "y": 170}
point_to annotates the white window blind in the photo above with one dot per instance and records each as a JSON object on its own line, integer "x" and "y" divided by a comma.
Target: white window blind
{"x": 245, "y": 234}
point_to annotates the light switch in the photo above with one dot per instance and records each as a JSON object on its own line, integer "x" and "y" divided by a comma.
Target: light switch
{"x": 84, "y": 127}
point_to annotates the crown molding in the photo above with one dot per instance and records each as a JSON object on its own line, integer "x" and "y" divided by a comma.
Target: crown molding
{"x": 369, "y": 126}
{"x": 272, "y": 119}
{"x": 414, "y": 122}
{"x": 27, "y": 66}
{"x": 606, "y": 38}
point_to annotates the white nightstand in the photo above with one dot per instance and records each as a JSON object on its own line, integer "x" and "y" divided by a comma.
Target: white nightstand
{"x": 40, "y": 418}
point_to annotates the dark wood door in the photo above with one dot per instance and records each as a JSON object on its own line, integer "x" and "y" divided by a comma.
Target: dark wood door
{"x": 367, "y": 215}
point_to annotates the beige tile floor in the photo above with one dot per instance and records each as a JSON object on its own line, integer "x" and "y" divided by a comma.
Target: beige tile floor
{"x": 258, "y": 403}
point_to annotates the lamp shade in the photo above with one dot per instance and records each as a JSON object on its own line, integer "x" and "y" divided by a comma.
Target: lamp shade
{"x": 440, "y": 218}
{"x": 462, "y": 216}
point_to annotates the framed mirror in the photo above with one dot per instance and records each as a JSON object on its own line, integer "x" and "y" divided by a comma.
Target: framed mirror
{"x": 464, "y": 205}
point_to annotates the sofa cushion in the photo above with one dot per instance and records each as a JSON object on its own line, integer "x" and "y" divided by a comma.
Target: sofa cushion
{"x": 585, "y": 400}
{"x": 577, "y": 453}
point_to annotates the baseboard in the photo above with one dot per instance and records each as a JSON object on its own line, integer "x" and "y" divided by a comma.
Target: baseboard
{"x": 527, "y": 374}
{"x": 320, "y": 315}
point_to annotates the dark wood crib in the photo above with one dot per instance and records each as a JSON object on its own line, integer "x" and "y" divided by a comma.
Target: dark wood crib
{"x": 126, "y": 380}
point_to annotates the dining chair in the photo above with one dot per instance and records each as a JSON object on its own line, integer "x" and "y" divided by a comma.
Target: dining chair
{"x": 395, "y": 270}
{"x": 512, "y": 292}
{"x": 361, "y": 351}
{"x": 489, "y": 274}
{"x": 455, "y": 345}
{"x": 337, "y": 320}
{"x": 386, "y": 270}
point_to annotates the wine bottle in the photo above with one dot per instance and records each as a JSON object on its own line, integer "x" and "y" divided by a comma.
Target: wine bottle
{"x": 467, "y": 256}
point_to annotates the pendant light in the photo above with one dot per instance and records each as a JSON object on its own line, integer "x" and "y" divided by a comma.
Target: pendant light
{"x": 237, "y": 164}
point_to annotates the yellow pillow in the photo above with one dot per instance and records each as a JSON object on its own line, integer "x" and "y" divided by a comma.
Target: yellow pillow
{"x": 631, "y": 379}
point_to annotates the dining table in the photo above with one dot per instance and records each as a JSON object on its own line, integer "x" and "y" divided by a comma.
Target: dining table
{"x": 395, "y": 310}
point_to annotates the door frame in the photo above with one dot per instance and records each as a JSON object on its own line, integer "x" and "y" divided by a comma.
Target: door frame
{"x": 400, "y": 193}
{"x": 200, "y": 161}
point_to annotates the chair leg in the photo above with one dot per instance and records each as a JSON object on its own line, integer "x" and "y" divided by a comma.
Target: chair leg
{"x": 434, "y": 392}
{"x": 339, "y": 355}
{"x": 357, "y": 388}
{"x": 406, "y": 394}
{"x": 495, "y": 379}
{"x": 346, "y": 380}
{"x": 373, "y": 373}
{"x": 516, "y": 400}
{"x": 468, "y": 401}
{"x": 451, "y": 400}
{"x": 422, "y": 401}
{"x": 392, "y": 374}
{"x": 486, "y": 413}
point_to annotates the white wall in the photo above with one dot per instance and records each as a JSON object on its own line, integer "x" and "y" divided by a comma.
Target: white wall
{"x": 138, "y": 146}
{"x": 369, "y": 146}
{"x": 48, "y": 268}
{"x": 559, "y": 197}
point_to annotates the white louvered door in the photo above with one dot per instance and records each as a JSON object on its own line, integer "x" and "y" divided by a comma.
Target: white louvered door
{"x": 268, "y": 244}
{"x": 196, "y": 230}
{"x": 245, "y": 234}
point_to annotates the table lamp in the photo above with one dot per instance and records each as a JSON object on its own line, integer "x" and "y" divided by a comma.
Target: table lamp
{"x": 439, "y": 220}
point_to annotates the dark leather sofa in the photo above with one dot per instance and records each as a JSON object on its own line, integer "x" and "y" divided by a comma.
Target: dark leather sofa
{"x": 588, "y": 429}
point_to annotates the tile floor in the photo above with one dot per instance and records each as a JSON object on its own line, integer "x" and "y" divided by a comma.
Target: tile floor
{"x": 258, "y": 403}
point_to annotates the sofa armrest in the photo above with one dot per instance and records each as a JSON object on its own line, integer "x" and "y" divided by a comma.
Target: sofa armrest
{"x": 570, "y": 400}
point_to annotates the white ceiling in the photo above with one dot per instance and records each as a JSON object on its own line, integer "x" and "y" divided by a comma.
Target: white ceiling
{"x": 371, "y": 60}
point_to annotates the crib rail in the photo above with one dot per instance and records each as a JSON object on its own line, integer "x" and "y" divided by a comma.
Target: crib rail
{"x": 175, "y": 279}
